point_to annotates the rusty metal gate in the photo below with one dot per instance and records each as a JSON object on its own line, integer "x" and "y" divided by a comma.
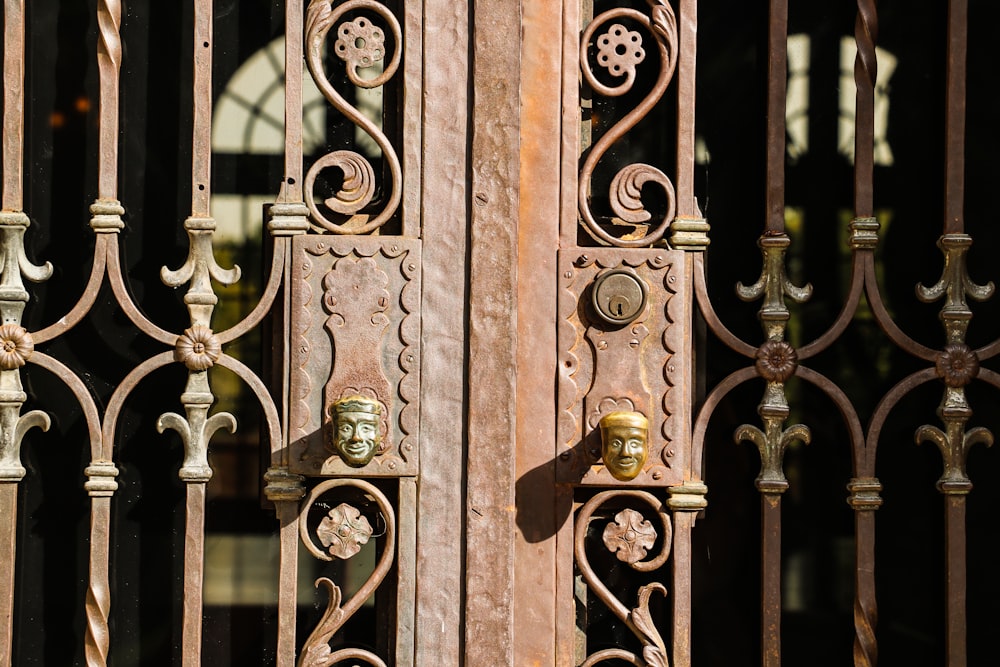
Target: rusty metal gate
{"x": 473, "y": 396}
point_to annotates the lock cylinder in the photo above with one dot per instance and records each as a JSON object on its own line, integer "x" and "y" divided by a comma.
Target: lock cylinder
{"x": 619, "y": 296}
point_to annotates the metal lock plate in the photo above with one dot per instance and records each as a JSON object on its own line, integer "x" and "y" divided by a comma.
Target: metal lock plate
{"x": 619, "y": 296}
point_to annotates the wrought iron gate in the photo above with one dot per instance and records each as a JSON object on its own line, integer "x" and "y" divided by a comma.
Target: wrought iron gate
{"x": 478, "y": 380}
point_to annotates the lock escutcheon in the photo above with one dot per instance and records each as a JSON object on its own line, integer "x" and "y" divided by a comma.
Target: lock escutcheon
{"x": 619, "y": 296}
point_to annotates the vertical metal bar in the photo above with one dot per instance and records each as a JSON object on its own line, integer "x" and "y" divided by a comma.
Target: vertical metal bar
{"x": 864, "y": 490}
{"x": 201, "y": 166}
{"x": 109, "y": 58}
{"x": 770, "y": 613}
{"x": 201, "y": 152}
{"x": 291, "y": 189}
{"x": 98, "y": 637}
{"x": 106, "y": 216}
{"x": 406, "y": 580}
{"x": 681, "y": 594}
{"x": 412, "y": 118}
{"x": 570, "y": 150}
{"x": 8, "y": 551}
{"x": 954, "y": 223}
{"x": 288, "y": 520}
{"x": 538, "y": 609}
{"x": 777, "y": 75}
{"x": 284, "y": 489}
{"x": 566, "y": 629}
{"x": 865, "y": 76}
{"x": 687, "y": 204}
{"x": 955, "y": 586}
{"x": 865, "y": 612}
{"x": 286, "y": 498}
{"x": 13, "y": 105}
{"x": 444, "y": 316}
{"x": 12, "y": 200}
{"x": 287, "y": 509}
{"x": 194, "y": 562}
{"x": 492, "y": 331}
{"x": 954, "y": 191}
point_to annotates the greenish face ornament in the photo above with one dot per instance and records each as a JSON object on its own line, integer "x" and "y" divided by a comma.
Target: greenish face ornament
{"x": 624, "y": 444}
{"x": 356, "y": 430}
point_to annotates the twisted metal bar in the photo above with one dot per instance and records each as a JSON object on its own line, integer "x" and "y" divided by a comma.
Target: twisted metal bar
{"x": 100, "y": 486}
{"x": 865, "y": 76}
{"x": 109, "y": 61}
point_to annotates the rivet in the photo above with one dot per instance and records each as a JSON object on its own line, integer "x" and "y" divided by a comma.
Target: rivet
{"x": 657, "y": 475}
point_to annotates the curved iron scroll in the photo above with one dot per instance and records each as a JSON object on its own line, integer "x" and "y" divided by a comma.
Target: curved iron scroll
{"x": 629, "y": 536}
{"x": 342, "y": 532}
{"x": 360, "y": 44}
{"x": 619, "y": 51}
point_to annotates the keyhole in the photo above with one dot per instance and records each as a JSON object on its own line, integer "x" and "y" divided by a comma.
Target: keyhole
{"x": 618, "y": 305}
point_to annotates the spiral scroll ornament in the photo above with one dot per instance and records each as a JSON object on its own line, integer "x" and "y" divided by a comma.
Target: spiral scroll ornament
{"x": 629, "y": 536}
{"x": 342, "y": 531}
{"x": 619, "y": 51}
{"x": 360, "y": 44}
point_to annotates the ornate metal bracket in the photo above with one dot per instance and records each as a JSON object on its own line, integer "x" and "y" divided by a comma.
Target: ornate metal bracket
{"x": 630, "y": 366}
{"x": 355, "y": 331}
{"x": 956, "y": 365}
{"x": 776, "y": 361}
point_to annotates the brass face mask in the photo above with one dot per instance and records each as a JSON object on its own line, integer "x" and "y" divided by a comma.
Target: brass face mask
{"x": 624, "y": 443}
{"x": 356, "y": 436}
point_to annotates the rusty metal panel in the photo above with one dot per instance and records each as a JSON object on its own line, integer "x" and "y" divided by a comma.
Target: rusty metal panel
{"x": 355, "y": 331}
{"x": 445, "y": 199}
{"x": 539, "y": 608}
{"x": 637, "y": 365}
{"x": 492, "y": 335}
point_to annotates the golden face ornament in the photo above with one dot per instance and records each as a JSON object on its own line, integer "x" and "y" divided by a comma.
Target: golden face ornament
{"x": 624, "y": 443}
{"x": 356, "y": 434}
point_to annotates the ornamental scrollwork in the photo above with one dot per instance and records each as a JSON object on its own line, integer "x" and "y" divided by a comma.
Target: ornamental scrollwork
{"x": 618, "y": 51}
{"x": 630, "y": 536}
{"x": 342, "y": 532}
{"x": 360, "y": 44}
